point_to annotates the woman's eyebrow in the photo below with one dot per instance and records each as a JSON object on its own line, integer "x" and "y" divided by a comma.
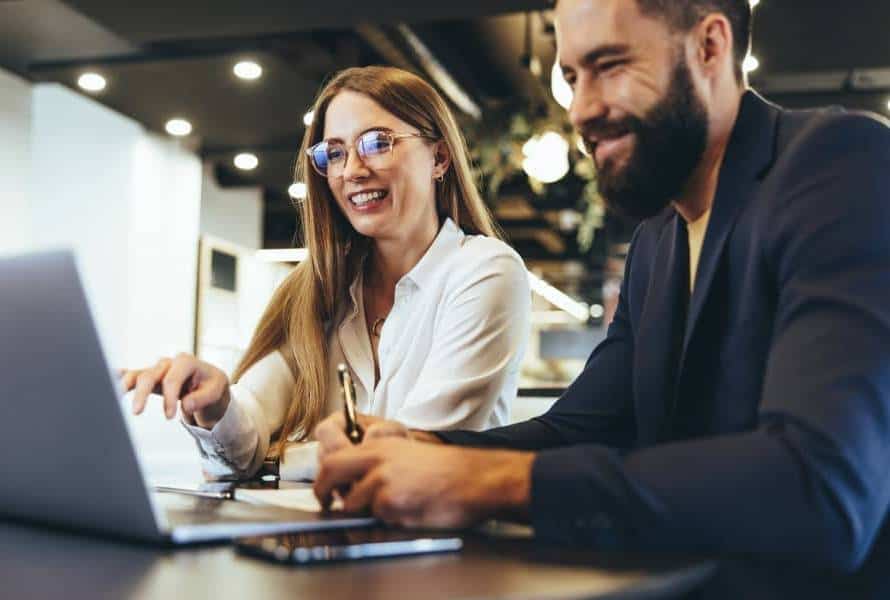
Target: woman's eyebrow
{"x": 360, "y": 133}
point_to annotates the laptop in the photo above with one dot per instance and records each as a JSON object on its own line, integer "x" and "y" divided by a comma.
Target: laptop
{"x": 66, "y": 454}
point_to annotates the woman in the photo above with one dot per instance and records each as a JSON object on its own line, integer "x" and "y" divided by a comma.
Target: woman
{"x": 406, "y": 283}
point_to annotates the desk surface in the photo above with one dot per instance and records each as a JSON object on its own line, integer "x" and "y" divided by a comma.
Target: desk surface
{"x": 43, "y": 563}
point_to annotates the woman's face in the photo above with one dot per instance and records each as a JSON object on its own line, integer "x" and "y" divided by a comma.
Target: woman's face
{"x": 392, "y": 196}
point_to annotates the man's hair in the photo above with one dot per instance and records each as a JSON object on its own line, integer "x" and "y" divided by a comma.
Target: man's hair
{"x": 683, "y": 15}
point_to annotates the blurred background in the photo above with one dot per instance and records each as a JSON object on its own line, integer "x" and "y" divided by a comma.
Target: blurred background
{"x": 158, "y": 140}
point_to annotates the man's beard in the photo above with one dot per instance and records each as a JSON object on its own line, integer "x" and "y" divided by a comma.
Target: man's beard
{"x": 668, "y": 143}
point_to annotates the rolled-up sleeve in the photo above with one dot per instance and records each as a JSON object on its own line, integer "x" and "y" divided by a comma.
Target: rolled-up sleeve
{"x": 237, "y": 444}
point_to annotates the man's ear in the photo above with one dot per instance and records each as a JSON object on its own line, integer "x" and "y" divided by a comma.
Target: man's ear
{"x": 714, "y": 43}
{"x": 442, "y": 156}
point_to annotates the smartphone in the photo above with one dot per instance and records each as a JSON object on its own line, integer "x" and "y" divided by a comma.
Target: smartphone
{"x": 344, "y": 544}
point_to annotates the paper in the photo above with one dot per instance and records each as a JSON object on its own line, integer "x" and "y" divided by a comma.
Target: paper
{"x": 294, "y": 498}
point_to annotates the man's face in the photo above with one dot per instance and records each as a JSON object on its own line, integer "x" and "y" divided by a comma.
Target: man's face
{"x": 634, "y": 104}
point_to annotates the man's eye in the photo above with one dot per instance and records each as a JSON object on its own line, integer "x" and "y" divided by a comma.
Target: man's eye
{"x": 608, "y": 66}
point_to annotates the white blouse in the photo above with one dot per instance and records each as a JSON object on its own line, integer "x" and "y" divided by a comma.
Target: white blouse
{"x": 449, "y": 354}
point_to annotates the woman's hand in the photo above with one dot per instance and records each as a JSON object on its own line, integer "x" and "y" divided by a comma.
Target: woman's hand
{"x": 331, "y": 432}
{"x": 201, "y": 389}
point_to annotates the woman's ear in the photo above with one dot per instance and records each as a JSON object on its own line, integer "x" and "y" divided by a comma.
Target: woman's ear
{"x": 442, "y": 155}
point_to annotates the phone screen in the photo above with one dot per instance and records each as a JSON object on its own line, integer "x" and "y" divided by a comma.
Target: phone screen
{"x": 345, "y": 544}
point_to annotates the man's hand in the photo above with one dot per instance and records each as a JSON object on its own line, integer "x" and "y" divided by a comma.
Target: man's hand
{"x": 414, "y": 484}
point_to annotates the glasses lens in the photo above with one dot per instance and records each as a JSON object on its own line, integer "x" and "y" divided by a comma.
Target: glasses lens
{"x": 319, "y": 154}
{"x": 374, "y": 143}
{"x": 328, "y": 156}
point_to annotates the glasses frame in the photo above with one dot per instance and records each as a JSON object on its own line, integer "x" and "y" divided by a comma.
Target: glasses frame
{"x": 394, "y": 136}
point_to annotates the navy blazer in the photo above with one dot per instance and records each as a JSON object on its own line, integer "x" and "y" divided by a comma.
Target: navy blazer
{"x": 752, "y": 419}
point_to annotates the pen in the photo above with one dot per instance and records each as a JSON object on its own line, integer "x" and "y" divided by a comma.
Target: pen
{"x": 353, "y": 429}
{"x": 226, "y": 494}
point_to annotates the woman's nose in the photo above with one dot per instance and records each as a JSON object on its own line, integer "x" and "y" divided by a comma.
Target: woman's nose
{"x": 354, "y": 168}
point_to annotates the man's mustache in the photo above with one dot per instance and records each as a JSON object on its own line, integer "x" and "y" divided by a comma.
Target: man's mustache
{"x": 596, "y": 130}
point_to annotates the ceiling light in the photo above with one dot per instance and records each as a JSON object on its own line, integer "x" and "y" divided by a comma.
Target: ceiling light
{"x": 178, "y": 127}
{"x": 751, "y": 63}
{"x": 597, "y": 311}
{"x": 308, "y": 118}
{"x": 247, "y": 69}
{"x": 91, "y": 82}
{"x": 754, "y": 3}
{"x": 557, "y": 298}
{"x": 561, "y": 90}
{"x": 283, "y": 255}
{"x": 246, "y": 161}
{"x": 546, "y": 157}
{"x": 297, "y": 190}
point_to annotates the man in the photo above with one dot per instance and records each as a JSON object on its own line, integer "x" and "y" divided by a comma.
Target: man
{"x": 740, "y": 405}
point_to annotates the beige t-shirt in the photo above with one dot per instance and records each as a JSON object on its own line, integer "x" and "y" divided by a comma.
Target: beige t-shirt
{"x": 696, "y": 235}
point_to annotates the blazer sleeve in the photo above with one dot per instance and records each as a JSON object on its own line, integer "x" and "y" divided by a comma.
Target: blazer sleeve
{"x": 597, "y": 406}
{"x": 811, "y": 481}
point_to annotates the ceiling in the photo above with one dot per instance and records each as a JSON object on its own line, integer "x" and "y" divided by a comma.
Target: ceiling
{"x": 164, "y": 58}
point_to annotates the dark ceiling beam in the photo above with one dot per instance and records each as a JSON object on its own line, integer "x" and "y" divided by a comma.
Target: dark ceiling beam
{"x": 402, "y": 48}
{"x": 381, "y": 40}
{"x": 173, "y": 51}
{"x": 439, "y": 74}
{"x": 143, "y": 22}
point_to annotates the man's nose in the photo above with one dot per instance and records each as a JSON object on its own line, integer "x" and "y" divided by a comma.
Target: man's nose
{"x": 587, "y": 105}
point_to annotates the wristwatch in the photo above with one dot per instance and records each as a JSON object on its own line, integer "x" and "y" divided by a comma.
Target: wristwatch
{"x": 269, "y": 467}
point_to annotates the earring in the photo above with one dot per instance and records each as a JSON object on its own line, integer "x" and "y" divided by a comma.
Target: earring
{"x": 440, "y": 178}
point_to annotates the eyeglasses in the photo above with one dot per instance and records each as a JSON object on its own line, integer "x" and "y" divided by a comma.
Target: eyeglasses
{"x": 374, "y": 147}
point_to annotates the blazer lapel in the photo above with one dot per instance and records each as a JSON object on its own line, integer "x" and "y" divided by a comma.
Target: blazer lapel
{"x": 749, "y": 152}
{"x": 662, "y": 324}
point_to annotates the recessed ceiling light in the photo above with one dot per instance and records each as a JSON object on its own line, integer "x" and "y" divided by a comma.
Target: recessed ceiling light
{"x": 308, "y": 118}
{"x": 247, "y": 69}
{"x": 751, "y": 63}
{"x": 297, "y": 190}
{"x": 178, "y": 127}
{"x": 91, "y": 82}
{"x": 597, "y": 311}
{"x": 246, "y": 161}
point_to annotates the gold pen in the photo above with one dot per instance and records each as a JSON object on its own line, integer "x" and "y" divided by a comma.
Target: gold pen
{"x": 353, "y": 429}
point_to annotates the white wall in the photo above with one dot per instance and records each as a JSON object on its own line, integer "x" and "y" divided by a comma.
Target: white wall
{"x": 232, "y": 214}
{"x": 15, "y": 150}
{"x": 128, "y": 202}
{"x": 162, "y": 256}
{"x": 132, "y": 205}
{"x": 82, "y": 155}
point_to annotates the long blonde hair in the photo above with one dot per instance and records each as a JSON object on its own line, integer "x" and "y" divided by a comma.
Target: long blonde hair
{"x": 294, "y": 322}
